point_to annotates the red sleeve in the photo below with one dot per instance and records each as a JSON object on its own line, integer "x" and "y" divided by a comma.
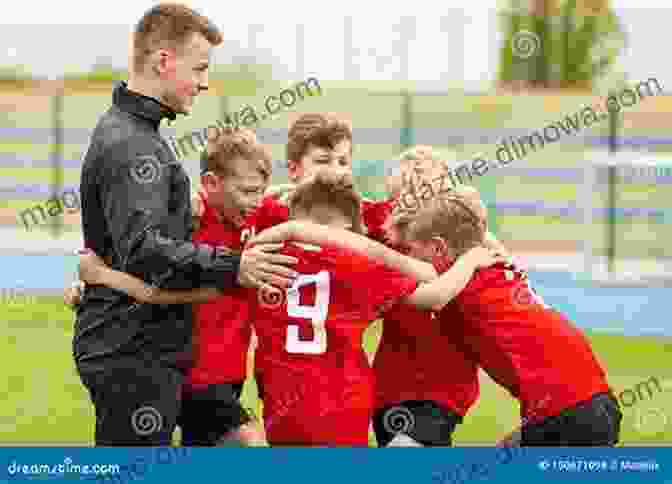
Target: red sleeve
{"x": 374, "y": 215}
{"x": 271, "y": 212}
{"x": 381, "y": 286}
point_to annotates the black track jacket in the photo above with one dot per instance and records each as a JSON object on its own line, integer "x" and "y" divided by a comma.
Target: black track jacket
{"x": 136, "y": 212}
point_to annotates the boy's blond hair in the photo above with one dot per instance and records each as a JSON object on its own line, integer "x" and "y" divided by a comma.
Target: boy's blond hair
{"x": 454, "y": 217}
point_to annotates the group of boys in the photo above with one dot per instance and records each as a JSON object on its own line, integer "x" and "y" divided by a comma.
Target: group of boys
{"x": 452, "y": 305}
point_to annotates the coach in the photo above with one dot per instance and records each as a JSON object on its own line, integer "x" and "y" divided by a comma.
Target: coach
{"x": 136, "y": 213}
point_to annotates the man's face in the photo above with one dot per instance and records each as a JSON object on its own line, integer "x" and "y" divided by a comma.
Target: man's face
{"x": 237, "y": 195}
{"x": 339, "y": 159}
{"x": 185, "y": 73}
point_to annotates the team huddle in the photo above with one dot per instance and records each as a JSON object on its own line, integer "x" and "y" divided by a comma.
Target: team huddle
{"x": 452, "y": 302}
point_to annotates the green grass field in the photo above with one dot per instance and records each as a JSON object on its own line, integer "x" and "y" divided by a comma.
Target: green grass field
{"x": 42, "y": 401}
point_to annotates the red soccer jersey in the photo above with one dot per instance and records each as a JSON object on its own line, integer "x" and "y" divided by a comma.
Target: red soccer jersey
{"x": 272, "y": 211}
{"x": 317, "y": 385}
{"x": 222, "y": 331}
{"x": 417, "y": 358}
{"x": 533, "y": 351}
{"x": 420, "y": 359}
{"x": 374, "y": 215}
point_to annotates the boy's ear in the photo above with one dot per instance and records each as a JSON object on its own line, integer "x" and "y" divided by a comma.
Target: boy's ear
{"x": 293, "y": 168}
{"x": 439, "y": 245}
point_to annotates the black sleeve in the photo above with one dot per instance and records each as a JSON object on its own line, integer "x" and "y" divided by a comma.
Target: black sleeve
{"x": 138, "y": 195}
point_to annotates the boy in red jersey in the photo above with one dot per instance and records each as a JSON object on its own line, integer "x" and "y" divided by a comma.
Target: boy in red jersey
{"x": 317, "y": 384}
{"x": 533, "y": 351}
{"x": 235, "y": 173}
{"x": 315, "y": 141}
{"x": 418, "y": 402}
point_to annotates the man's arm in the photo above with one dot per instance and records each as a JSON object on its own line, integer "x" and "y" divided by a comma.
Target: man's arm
{"x": 320, "y": 234}
{"x": 93, "y": 270}
{"x": 137, "y": 196}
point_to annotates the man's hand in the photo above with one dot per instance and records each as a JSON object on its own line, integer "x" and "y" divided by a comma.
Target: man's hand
{"x": 72, "y": 295}
{"x": 259, "y": 267}
{"x": 91, "y": 267}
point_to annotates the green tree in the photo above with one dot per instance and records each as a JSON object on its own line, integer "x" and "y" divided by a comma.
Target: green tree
{"x": 559, "y": 43}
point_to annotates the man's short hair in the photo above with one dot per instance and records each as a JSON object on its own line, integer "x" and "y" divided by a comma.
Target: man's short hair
{"x": 321, "y": 130}
{"x": 455, "y": 217}
{"x": 169, "y": 25}
{"x": 225, "y": 146}
{"x": 329, "y": 188}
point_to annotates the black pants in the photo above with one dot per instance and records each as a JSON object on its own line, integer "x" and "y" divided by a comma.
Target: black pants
{"x": 208, "y": 415}
{"x": 423, "y": 420}
{"x": 135, "y": 405}
{"x": 596, "y": 422}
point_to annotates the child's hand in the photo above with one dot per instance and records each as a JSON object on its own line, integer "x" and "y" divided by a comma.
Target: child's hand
{"x": 91, "y": 267}
{"x": 72, "y": 295}
{"x": 481, "y": 257}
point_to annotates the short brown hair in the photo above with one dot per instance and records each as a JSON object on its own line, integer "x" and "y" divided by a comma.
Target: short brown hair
{"x": 322, "y": 130}
{"x": 169, "y": 25}
{"x": 330, "y": 188}
{"x": 225, "y": 146}
{"x": 453, "y": 216}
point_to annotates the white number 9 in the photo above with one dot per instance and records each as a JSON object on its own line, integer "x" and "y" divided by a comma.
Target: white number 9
{"x": 317, "y": 313}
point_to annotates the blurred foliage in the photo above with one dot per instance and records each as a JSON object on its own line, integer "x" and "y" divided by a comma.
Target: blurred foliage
{"x": 577, "y": 43}
{"x": 15, "y": 77}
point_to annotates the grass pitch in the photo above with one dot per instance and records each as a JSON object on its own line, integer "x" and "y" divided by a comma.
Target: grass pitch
{"x": 42, "y": 401}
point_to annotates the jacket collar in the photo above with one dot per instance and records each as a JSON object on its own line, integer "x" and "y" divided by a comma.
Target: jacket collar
{"x": 141, "y": 105}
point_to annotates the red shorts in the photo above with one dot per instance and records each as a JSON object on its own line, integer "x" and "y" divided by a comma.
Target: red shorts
{"x": 304, "y": 412}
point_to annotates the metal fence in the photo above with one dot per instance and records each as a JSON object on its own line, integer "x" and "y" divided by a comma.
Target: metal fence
{"x": 535, "y": 202}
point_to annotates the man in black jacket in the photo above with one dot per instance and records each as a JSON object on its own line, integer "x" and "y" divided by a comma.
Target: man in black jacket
{"x": 136, "y": 213}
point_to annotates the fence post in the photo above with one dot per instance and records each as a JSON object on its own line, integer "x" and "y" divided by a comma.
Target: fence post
{"x": 407, "y": 128}
{"x": 57, "y": 155}
{"x": 611, "y": 203}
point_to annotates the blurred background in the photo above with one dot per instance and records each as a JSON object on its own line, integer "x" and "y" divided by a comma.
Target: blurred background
{"x": 593, "y": 226}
